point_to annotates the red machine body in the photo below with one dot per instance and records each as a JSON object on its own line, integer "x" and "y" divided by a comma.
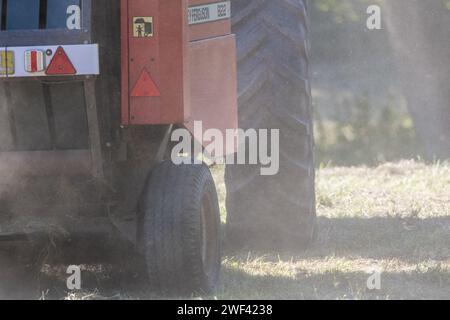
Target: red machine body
{"x": 178, "y": 63}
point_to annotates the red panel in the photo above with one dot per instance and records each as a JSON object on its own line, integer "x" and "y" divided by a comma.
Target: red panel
{"x": 210, "y": 30}
{"x": 157, "y": 71}
{"x": 163, "y": 57}
{"x": 214, "y": 61}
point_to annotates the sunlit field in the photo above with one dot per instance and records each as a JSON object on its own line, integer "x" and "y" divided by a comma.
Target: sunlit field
{"x": 394, "y": 219}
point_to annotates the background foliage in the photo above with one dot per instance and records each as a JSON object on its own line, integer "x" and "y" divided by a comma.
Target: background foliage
{"x": 361, "y": 113}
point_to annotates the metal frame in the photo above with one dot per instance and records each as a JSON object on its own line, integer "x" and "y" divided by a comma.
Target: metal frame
{"x": 52, "y": 36}
{"x": 66, "y": 37}
{"x": 95, "y": 143}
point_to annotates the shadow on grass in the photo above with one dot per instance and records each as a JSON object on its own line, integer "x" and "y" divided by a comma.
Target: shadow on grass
{"x": 411, "y": 240}
{"x": 114, "y": 276}
{"x": 431, "y": 284}
{"x": 110, "y": 283}
{"x": 108, "y": 268}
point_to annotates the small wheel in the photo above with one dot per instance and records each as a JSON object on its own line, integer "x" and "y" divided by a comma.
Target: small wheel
{"x": 179, "y": 229}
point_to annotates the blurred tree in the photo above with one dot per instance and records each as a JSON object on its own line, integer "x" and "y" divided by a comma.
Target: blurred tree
{"x": 419, "y": 33}
{"x": 344, "y": 10}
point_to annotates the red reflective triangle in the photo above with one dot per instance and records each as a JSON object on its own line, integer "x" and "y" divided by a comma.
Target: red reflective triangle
{"x": 145, "y": 86}
{"x": 60, "y": 64}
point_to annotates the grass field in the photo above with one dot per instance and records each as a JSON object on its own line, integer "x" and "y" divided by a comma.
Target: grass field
{"x": 394, "y": 219}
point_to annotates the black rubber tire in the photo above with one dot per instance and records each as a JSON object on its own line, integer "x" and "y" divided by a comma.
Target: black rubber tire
{"x": 274, "y": 93}
{"x": 179, "y": 229}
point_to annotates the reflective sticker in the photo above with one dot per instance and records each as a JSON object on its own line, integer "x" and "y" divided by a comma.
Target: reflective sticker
{"x": 6, "y": 62}
{"x": 145, "y": 86}
{"x": 34, "y": 61}
{"x": 60, "y": 64}
{"x": 142, "y": 27}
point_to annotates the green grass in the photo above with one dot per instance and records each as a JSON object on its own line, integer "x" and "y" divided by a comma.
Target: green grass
{"x": 394, "y": 218}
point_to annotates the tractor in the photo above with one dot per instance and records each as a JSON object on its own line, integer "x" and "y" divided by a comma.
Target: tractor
{"x": 90, "y": 94}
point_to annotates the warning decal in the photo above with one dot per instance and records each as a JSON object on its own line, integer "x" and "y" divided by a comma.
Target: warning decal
{"x": 142, "y": 27}
{"x": 145, "y": 86}
{"x": 60, "y": 64}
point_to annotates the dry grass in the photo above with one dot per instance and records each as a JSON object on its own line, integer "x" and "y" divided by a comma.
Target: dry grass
{"x": 394, "y": 218}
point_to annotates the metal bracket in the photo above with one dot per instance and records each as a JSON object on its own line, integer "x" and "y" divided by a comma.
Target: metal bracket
{"x": 95, "y": 143}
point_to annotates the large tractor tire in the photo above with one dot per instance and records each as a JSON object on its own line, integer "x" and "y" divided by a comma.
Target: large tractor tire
{"x": 274, "y": 93}
{"x": 179, "y": 229}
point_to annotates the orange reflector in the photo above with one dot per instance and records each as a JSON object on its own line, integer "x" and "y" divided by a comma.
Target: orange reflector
{"x": 145, "y": 86}
{"x": 60, "y": 64}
